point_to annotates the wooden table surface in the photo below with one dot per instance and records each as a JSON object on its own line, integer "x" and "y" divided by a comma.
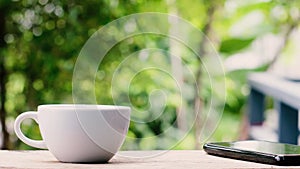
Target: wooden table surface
{"x": 129, "y": 159}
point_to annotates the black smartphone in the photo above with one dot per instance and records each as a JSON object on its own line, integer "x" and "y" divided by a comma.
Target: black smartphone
{"x": 257, "y": 151}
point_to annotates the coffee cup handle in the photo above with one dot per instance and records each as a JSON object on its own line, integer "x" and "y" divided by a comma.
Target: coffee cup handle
{"x": 17, "y": 127}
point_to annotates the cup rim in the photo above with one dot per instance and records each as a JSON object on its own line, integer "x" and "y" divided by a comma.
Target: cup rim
{"x": 83, "y": 106}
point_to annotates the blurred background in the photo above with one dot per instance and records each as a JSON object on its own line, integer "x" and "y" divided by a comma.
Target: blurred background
{"x": 41, "y": 39}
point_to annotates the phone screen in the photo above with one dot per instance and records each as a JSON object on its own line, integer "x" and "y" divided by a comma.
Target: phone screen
{"x": 256, "y": 151}
{"x": 262, "y": 146}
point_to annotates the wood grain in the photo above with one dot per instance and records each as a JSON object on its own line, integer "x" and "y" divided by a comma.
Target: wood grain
{"x": 129, "y": 159}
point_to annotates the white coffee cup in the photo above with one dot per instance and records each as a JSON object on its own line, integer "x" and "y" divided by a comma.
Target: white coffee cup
{"x": 78, "y": 132}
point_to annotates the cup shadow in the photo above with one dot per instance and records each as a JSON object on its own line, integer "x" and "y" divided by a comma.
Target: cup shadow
{"x": 98, "y": 163}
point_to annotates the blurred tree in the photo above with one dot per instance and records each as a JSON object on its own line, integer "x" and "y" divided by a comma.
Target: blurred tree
{"x": 43, "y": 39}
{"x": 211, "y": 7}
{"x": 3, "y": 75}
{"x": 177, "y": 66}
{"x": 40, "y": 41}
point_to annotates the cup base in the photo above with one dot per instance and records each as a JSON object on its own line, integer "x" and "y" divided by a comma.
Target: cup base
{"x": 100, "y": 158}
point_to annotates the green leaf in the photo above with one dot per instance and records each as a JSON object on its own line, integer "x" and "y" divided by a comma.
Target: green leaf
{"x": 234, "y": 45}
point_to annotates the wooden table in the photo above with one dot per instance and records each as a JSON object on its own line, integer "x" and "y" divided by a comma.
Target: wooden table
{"x": 164, "y": 159}
{"x": 286, "y": 94}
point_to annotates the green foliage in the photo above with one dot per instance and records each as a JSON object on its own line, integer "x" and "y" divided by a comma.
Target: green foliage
{"x": 234, "y": 45}
{"x": 44, "y": 37}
